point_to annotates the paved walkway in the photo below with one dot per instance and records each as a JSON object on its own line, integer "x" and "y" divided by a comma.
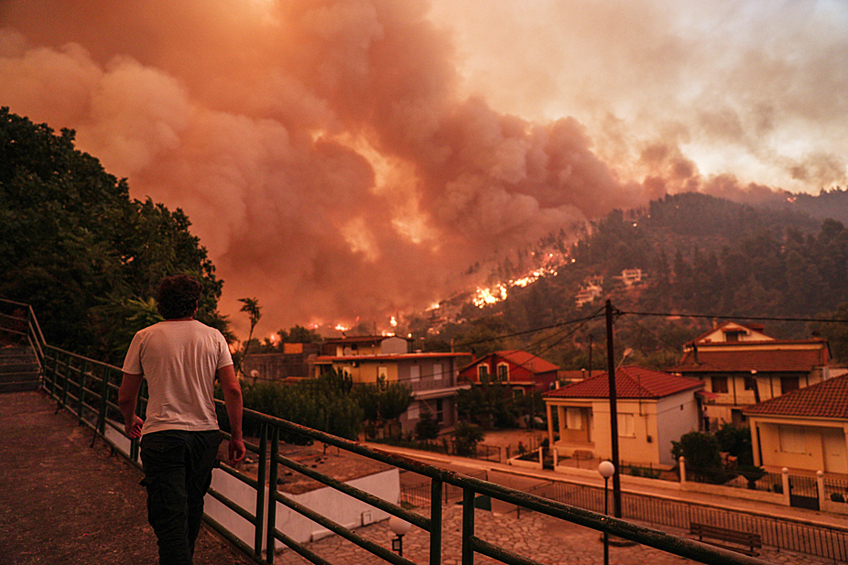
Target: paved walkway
{"x": 65, "y": 503}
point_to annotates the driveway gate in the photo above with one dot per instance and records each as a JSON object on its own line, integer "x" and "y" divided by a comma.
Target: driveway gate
{"x": 803, "y": 492}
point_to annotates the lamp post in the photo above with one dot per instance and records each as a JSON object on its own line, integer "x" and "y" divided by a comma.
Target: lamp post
{"x": 607, "y": 470}
{"x": 399, "y": 527}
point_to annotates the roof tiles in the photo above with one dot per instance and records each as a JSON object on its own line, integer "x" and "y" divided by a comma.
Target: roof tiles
{"x": 630, "y": 382}
{"x": 828, "y": 399}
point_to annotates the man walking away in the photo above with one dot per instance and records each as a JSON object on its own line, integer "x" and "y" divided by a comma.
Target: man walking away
{"x": 180, "y": 358}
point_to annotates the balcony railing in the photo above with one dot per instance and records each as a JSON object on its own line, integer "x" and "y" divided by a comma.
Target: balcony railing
{"x": 88, "y": 389}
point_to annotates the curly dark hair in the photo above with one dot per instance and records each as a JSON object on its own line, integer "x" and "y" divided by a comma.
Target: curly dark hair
{"x": 178, "y": 296}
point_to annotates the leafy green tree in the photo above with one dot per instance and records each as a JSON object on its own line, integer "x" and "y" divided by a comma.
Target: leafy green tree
{"x": 701, "y": 452}
{"x": 383, "y": 402}
{"x": 254, "y": 312}
{"x": 427, "y": 427}
{"x": 325, "y": 403}
{"x": 736, "y": 441}
{"x": 836, "y": 333}
{"x": 79, "y": 250}
{"x": 466, "y": 436}
{"x": 487, "y": 404}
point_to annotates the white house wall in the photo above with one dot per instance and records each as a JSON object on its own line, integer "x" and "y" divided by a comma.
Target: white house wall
{"x": 676, "y": 415}
{"x": 339, "y": 507}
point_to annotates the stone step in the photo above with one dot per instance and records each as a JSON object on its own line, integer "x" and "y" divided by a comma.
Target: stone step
{"x": 18, "y": 386}
{"x": 19, "y": 369}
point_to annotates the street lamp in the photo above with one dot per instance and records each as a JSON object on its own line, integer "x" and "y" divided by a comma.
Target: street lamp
{"x": 607, "y": 470}
{"x": 399, "y": 527}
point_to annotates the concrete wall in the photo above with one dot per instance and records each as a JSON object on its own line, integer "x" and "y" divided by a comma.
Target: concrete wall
{"x": 339, "y": 507}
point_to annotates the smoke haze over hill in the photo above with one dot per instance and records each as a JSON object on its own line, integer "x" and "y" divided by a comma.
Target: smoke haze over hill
{"x": 348, "y": 158}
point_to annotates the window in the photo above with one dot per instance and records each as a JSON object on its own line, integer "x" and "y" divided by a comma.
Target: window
{"x": 383, "y": 373}
{"x": 573, "y": 419}
{"x": 626, "y": 425}
{"x": 415, "y": 373}
{"x": 733, "y": 335}
{"x": 440, "y": 410}
{"x": 750, "y": 383}
{"x": 788, "y": 384}
{"x": 483, "y": 373}
{"x": 792, "y": 439}
{"x": 503, "y": 372}
{"x": 413, "y": 412}
{"x": 437, "y": 371}
{"x": 719, "y": 384}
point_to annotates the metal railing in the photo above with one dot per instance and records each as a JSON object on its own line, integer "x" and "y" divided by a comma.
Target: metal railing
{"x": 776, "y": 532}
{"x": 88, "y": 388}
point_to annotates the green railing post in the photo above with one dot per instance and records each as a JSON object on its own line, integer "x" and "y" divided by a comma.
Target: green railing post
{"x": 467, "y": 526}
{"x": 55, "y": 382}
{"x": 272, "y": 489}
{"x": 81, "y": 395}
{"x": 105, "y": 384}
{"x": 436, "y": 521}
{"x": 66, "y": 377}
{"x": 259, "y": 521}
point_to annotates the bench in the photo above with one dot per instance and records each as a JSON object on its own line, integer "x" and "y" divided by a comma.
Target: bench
{"x": 744, "y": 542}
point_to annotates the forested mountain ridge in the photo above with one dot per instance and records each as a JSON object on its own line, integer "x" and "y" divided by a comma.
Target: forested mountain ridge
{"x": 700, "y": 255}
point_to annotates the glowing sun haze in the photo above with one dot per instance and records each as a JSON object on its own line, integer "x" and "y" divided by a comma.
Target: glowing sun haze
{"x": 349, "y": 158}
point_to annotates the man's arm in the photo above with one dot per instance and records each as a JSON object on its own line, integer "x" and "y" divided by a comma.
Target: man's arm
{"x": 232, "y": 399}
{"x": 127, "y": 398}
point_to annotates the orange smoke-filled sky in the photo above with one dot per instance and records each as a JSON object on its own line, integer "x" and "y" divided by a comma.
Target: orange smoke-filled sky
{"x": 344, "y": 159}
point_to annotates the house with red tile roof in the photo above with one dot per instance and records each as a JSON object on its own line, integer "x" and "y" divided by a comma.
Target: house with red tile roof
{"x": 521, "y": 371}
{"x": 804, "y": 429}
{"x": 742, "y": 366}
{"x": 653, "y": 409}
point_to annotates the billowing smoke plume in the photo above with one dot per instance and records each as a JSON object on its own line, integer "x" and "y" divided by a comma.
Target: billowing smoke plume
{"x": 346, "y": 158}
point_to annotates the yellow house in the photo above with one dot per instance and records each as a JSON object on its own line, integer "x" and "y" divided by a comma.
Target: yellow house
{"x": 653, "y": 409}
{"x": 742, "y": 366}
{"x": 805, "y": 429}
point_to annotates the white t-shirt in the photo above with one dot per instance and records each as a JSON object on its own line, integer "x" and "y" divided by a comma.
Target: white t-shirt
{"x": 179, "y": 360}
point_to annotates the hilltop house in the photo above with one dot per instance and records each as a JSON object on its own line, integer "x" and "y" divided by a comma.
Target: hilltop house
{"x": 521, "y": 371}
{"x": 432, "y": 377}
{"x": 803, "y": 429}
{"x": 653, "y": 409}
{"x": 742, "y": 366}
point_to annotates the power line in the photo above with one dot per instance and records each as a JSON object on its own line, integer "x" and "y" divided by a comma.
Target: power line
{"x": 732, "y": 317}
{"x": 597, "y": 314}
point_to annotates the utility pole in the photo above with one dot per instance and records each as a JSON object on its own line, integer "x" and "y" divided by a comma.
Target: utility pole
{"x": 616, "y": 478}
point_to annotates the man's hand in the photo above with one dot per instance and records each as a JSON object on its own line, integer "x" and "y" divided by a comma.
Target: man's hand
{"x": 236, "y": 451}
{"x": 133, "y": 427}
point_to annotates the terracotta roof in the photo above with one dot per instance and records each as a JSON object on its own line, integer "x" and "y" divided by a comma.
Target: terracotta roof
{"x": 519, "y": 357}
{"x": 630, "y": 382}
{"x": 528, "y": 360}
{"x": 773, "y": 356}
{"x": 828, "y": 399}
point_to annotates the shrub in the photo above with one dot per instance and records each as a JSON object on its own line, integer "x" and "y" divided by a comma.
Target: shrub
{"x": 427, "y": 427}
{"x": 466, "y": 437}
